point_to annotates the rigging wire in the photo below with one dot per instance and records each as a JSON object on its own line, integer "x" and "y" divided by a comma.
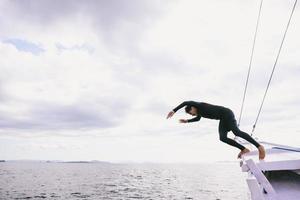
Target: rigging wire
{"x": 250, "y": 62}
{"x": 274, "y": 66}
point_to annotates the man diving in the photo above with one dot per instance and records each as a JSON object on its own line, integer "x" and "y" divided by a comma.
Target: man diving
{"x": 227, "y": 123}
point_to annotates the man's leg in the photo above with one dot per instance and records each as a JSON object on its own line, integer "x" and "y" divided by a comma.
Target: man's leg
{"x": 223, "y": 136}
{"x": 261, "y": 149}
{"x": 246, "y": 136}
{"x": 231, "y": 123}
{"x": 236, "y": 131}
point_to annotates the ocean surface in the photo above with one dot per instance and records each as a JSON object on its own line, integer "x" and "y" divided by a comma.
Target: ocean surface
{"x": 41, "y": 180}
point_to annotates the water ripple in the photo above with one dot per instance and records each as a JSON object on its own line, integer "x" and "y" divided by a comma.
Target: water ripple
{"x": 121, "y": 181}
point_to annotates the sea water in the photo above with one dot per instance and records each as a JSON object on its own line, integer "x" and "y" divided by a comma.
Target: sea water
{"x": 54, "y": 180}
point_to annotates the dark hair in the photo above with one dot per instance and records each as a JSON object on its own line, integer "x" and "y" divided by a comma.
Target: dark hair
{"x": 188, "y": 108}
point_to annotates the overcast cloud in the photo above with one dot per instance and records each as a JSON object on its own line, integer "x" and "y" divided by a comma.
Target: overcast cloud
{"x": 95, "y": 79}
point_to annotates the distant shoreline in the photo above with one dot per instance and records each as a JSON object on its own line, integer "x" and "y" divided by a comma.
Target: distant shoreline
{"x": 59, "y": 161}
{"x": 113, "y": 163}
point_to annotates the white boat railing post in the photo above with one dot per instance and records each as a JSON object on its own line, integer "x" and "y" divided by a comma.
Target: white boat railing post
{"x": 255, "y": 189}
{"x": 262, "y": 180}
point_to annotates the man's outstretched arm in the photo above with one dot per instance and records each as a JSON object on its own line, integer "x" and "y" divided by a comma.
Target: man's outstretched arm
{"x": 192, "y": 103}
{"x": 170, "y": 114}
{"x": 180, "y": 106}
{"x": 195, "y": 119}
{"x": 185, "y": 103}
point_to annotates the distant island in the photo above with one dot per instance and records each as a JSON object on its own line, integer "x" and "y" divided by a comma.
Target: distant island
{"x": 59, "y": 161}
{"x": 92, "y": 161}
{"x": 79, "y": 161}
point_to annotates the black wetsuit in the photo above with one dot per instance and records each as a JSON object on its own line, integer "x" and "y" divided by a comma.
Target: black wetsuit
{"x": 227, "y": 121}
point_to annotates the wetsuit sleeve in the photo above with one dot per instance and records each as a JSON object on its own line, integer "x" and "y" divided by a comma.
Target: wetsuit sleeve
{"x": 192, "y": 103}
{"x": 195, "y": 119}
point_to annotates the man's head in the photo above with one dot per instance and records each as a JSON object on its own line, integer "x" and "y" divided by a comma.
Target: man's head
{"x": 191, "y": 110}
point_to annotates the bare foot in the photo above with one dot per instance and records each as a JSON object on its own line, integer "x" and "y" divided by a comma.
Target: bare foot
{"x": 262, "y": 152}
{"x": 243, "y": 152}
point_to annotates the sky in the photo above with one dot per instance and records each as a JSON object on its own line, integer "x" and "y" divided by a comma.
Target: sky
{"x": 94, "y": 80}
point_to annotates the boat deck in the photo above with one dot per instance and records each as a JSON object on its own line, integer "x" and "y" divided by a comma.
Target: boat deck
{"x": 286, "y": 184}
{"x": 276, "y": 159}
{"x": 275, "y": 177}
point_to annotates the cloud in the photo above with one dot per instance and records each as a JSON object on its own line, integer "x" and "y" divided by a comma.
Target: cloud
{"x": 83, "y": 47}
{"x": 96, "y": 71}
{"x": 23, "y": 45}
{"x": 83, "y": 115}
{"x": 107, "y": 12}
{"x": 117, "y": 23}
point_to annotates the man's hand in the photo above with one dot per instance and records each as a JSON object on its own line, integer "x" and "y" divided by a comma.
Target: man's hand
{"x": 183, "y": 121}
{"x": 170, "y": 114}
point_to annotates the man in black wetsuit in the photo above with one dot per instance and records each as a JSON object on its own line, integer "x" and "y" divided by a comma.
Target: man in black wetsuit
{"x": 227, "y": 123}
